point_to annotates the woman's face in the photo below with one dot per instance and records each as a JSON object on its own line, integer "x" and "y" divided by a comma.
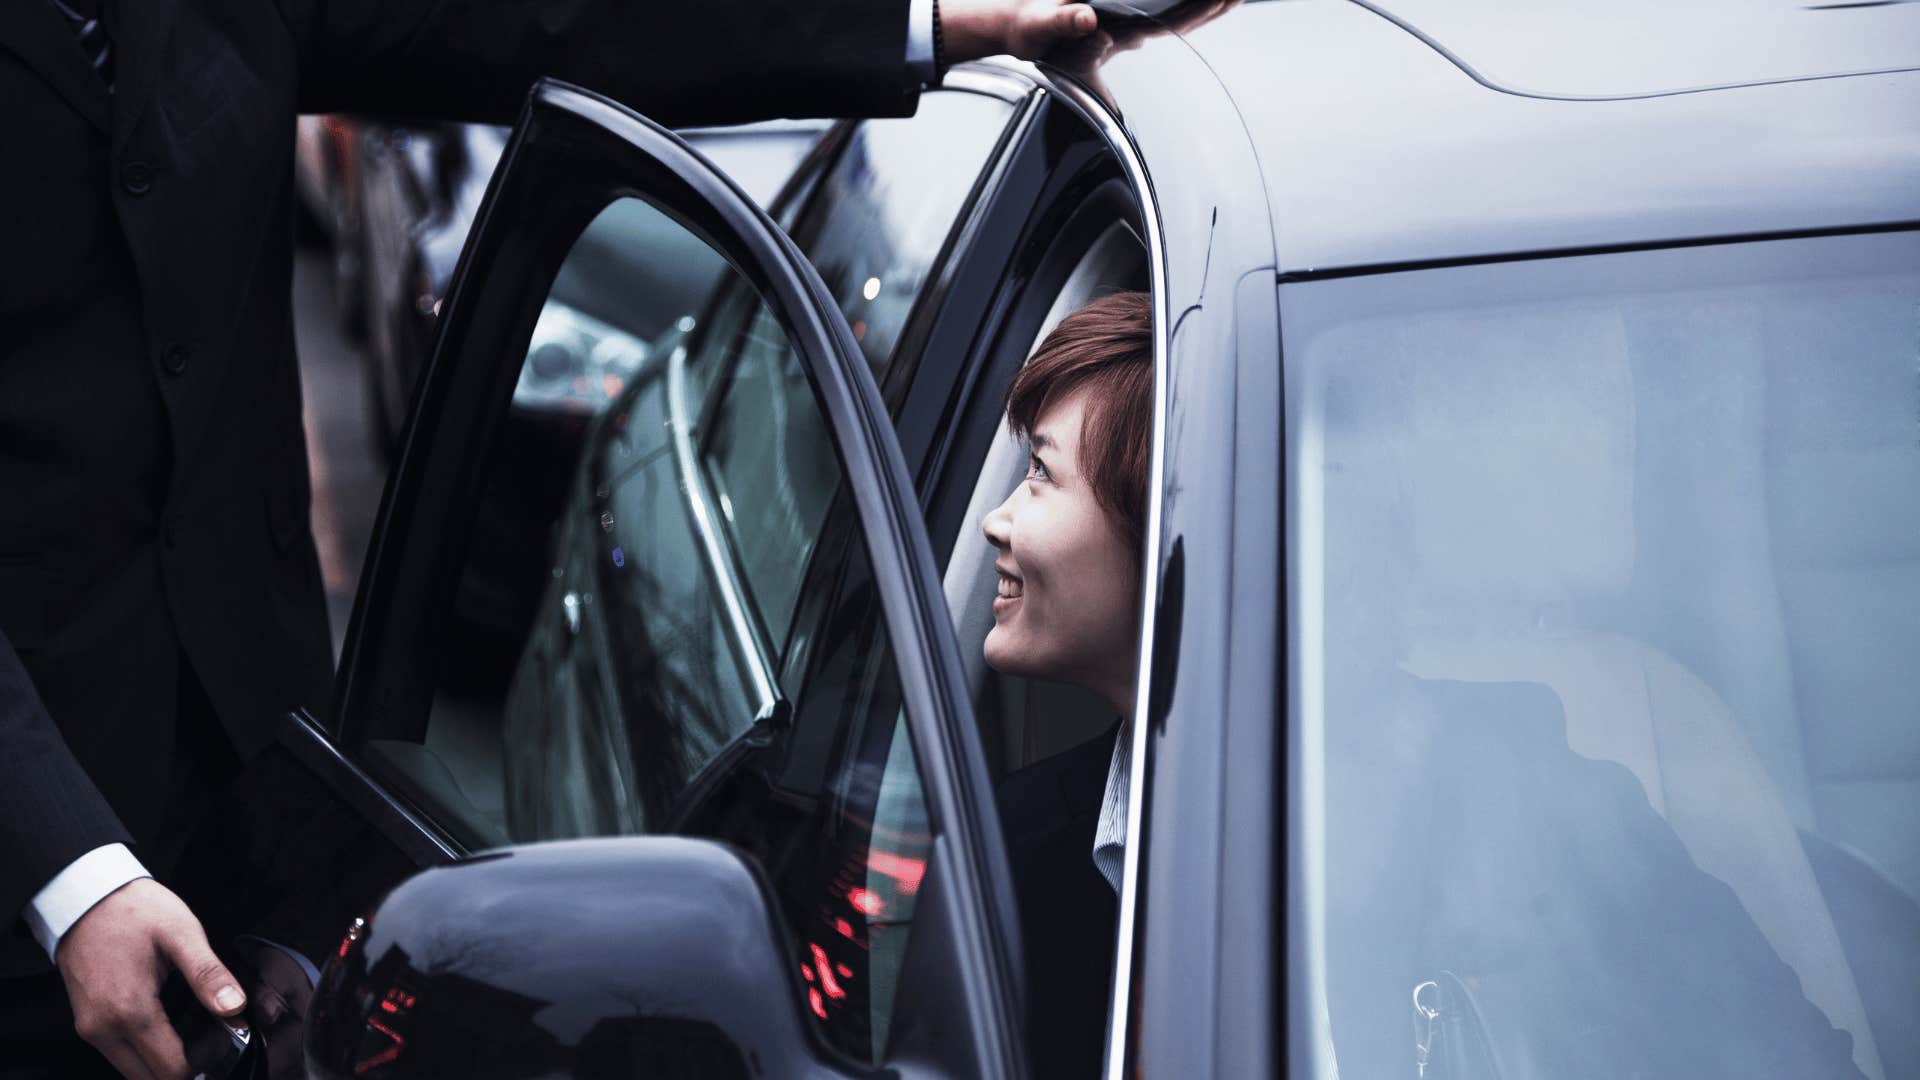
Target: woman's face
{"x": 1069, "y": 601}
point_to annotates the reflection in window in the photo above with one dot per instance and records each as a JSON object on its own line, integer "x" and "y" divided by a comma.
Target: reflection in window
{"x": 1609, "y": 579}
{"x": 887, "y": 205}
{"x": 707, "y": 508}
{"x": 772, "y": 468}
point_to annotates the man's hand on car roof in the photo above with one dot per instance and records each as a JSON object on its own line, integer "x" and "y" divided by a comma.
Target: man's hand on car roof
{"x": 1024, "y": 28}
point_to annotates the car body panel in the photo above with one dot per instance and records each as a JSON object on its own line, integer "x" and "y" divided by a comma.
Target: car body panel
{"x": 1376, "y": 149}
{"x": 1577, "y": 49}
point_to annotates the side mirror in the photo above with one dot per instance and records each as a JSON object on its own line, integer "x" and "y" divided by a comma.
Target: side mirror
{"x": 620, "y": 957}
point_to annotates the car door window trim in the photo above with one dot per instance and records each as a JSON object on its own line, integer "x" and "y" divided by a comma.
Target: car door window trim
{"x": 1096, "y": 114}
{"x": 417, "y": 837}
{"x": 748, "y": 637}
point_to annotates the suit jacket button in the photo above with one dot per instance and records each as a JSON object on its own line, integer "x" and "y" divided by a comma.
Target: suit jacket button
{"x": 136, "y": 177}
{"x": 174, "y": 359}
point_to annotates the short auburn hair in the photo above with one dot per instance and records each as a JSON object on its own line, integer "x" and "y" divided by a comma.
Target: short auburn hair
{"x": 1105, "y": 349}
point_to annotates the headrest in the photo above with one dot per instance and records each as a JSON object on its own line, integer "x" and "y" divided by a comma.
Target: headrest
{"x": 1844, "y": 461}
{"x": 1509, "y": 435}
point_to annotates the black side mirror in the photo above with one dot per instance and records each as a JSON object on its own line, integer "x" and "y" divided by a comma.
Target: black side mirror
{"x": 620, "y": 957}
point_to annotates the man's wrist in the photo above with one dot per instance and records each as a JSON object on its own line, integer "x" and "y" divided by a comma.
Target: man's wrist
{"x": 970, "y": 29}
{"x": 75, "y": 890}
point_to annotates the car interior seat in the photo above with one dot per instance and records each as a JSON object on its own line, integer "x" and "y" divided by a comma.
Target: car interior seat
{"x": 1780, "y": 545}
{"x": 1842, "y": 486}
{"x": 1511, "y": 444}
{"x": 1036, "y": 718}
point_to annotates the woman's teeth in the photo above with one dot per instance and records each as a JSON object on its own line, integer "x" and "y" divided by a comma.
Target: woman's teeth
{"x": 1009, "y": 587}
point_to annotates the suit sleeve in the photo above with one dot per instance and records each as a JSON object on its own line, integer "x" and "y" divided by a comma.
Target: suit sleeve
{"x": 680, "y": 62}
{"x": 50, "y": 812}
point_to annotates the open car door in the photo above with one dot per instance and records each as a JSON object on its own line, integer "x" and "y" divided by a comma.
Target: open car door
{"x": 657, "y": 574}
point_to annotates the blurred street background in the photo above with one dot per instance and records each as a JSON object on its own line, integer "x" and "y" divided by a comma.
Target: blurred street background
{"x": 347, "y": 469}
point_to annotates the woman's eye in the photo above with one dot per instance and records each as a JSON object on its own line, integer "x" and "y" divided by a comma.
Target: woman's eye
{"x": 1036, "y": 469}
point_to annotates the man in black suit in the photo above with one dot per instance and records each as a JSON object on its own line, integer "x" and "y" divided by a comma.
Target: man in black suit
{"x": 160, "y": 599}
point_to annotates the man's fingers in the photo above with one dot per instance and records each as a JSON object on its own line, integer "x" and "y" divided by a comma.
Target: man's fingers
{"x": 1075, "y": 19}
{"x": 161, "y": 1052}
{"x": 215, "y": 986}
{"x": 125, "y": 1060}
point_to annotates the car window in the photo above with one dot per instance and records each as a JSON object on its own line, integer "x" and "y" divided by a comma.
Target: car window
{"x": 639, "y": 547}
{"x": 771, "y": 467}
{"x": 872, "y": 223}
{"x": 1606, "y": 580}
{"x": 877, "y": 220}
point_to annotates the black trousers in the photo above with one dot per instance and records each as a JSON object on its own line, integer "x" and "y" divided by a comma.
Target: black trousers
{"x": 37, "y": 1040}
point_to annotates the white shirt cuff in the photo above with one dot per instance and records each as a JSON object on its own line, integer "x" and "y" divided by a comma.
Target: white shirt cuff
{"x": 920, "y": 59}
{"x": 72, "y": 893}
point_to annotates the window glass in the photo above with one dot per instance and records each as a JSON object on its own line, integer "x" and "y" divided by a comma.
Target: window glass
{"x": 1607, "y": 579}
{"x": 882, "y": 213}
{"x": 646, "y": 533}
{"x": 772, "y": 467}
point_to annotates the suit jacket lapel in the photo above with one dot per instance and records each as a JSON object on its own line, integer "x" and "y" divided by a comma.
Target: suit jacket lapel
{"x": 37, "y": 32}
{"x": 141, "y": 31}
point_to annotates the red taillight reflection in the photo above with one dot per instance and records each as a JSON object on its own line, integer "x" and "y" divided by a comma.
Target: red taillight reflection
{"x": 825, "y": 968}
{"x": 386, "y": 1055}
{"x": 905, "y": 872}
{"x": 819, "y": 1004}
{"x": 865, "y": 901}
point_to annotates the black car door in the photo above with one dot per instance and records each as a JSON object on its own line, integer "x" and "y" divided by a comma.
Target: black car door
{"x": 678, "y": 584}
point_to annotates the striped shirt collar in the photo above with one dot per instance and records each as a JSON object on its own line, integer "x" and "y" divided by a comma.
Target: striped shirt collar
{"x": 1110, "y": 834}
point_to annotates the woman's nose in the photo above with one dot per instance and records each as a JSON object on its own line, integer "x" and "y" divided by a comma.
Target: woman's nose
{"x": 998, "y": 524}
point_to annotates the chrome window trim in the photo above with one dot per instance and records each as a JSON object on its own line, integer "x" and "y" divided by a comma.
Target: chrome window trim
{"x": 1010, "y": 82}
{"x": 750, "y": 645}
{"x": 1109, "y": 128}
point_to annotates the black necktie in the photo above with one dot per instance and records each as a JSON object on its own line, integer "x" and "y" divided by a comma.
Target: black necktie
{"x": 84, "y": 17}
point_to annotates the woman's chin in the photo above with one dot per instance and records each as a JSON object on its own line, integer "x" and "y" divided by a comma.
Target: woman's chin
{"x": 1000, "y": 654}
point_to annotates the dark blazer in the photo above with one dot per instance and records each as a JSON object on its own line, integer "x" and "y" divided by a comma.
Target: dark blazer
{"x": 1068, "y": 912}
{"x": 153, "y": 476}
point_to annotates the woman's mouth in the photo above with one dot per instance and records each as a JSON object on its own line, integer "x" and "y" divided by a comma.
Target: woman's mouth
{"x": 1009, "y": 592}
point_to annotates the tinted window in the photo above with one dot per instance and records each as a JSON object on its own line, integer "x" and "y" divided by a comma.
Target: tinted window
{"x": 882, "y": 213}
{"x": 627, "y": 590}
{"x": 1607, "y": 581}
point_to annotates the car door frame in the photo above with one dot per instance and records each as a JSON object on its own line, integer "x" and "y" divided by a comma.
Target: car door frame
{"x": 573, "y": 153}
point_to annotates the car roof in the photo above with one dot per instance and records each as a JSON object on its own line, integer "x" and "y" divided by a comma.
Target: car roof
{"x": 1407, "y": 131}
{"x": 1624, "y": 48}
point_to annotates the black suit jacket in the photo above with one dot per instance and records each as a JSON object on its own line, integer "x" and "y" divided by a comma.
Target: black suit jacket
{"x": 153, "y": 476}
{"x": 1068, "y": 912}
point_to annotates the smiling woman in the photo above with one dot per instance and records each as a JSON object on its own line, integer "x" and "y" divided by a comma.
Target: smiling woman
{"x": 1069, "y": 537}
{"x": 1068, "y": 544}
